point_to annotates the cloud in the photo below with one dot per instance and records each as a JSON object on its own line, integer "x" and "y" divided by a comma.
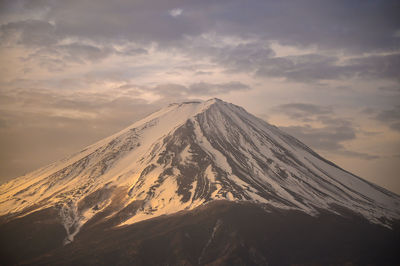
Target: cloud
{"x": 390, "y": 114}
{"x": 244, "y": 57}
{"x": 356, "y": 28}
{"x": 390, "y": 117}
{"x": 52, "y": 49}
{"x": 390, "y": 89}
{"x": 259, "y": 59}
{"x": 395, "y": 126}
{"x": 314, "y": 67}
{"x": 176, "y": 12}
{"x": 303, "y": 68}
{"x": 326, "y": 138}
{"x": 307, "y": 112}
{"x": 203, "y": 88}
{"x": 56, "y": 57}
{"x": 198, "y": 89}
{"x": 234, "y": 57}
{"x": 132, "y": 51}
{"x": 329, "y": 137}
{"x": 303, "y": 110}
{"x": 41, "y": 99}
{"x": 200, "y": 73}
{"x": 83, "y": 52}
{"x": 377, "y": 66}
{"x": 360, "y": 155}
{"x": 35, "y": 33}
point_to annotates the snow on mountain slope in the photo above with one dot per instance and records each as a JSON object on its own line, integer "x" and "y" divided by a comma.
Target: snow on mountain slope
{"x": 186, "y": 155}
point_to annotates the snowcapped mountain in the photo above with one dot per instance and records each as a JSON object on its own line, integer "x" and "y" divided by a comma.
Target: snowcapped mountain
{"x": 187, "y": 155}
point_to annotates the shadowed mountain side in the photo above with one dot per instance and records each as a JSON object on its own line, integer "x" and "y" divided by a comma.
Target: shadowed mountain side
{"x": 27, "y": 237}
{"x": 218, "y": 233}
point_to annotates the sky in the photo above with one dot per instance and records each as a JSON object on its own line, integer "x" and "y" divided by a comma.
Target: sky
{"x": 327, "y": 72}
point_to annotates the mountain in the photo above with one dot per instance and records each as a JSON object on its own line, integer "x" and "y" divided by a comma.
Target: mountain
{"x": 206, "y": 169}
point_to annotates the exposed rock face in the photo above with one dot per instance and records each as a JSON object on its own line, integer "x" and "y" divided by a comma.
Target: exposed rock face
{"x": 186, "y": 156}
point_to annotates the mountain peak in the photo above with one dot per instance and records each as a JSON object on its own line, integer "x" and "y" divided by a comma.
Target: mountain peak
{"x": 215, "y": 100}
{"x": 197, "y": 102}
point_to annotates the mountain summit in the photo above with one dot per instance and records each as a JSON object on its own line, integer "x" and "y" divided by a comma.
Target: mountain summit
{"x": 185, "y": 156}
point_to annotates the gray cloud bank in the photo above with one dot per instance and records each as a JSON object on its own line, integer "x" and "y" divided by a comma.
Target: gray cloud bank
{"x": 352, "y": 27}
{"x": 330, "y": 136}
{"x": 391, "y": 117}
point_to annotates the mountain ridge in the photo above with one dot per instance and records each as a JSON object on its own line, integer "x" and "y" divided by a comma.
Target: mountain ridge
{"x": 184, "y": 156}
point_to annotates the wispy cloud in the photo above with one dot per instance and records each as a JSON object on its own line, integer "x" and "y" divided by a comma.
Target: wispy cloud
{"x": 391, "y": 117}
{"x": 176, "y": 12}
{"x": 331, "y": 133}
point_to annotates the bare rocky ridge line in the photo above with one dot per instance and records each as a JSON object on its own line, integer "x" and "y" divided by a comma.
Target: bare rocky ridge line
{"x": 187, "y": 155}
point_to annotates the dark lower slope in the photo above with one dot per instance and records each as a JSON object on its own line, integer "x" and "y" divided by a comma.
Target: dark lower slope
{"x": 27, "y": 237}
{"x": 219, "y": 233}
